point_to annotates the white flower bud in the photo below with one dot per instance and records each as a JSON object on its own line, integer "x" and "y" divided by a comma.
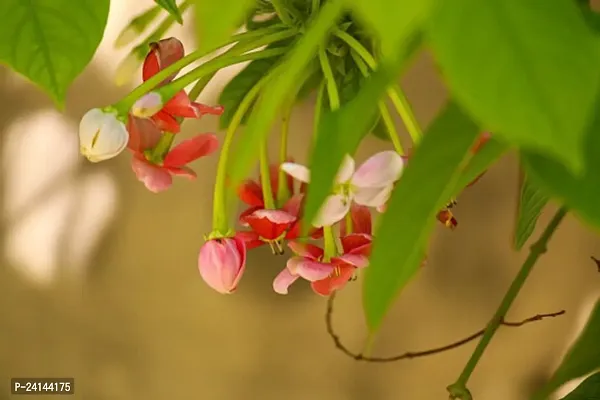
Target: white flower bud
{"x": 147, "y": 105}
{"x": 101, "y": 135}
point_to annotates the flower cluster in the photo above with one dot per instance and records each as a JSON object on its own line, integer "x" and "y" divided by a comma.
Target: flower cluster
{"x": 337, "y": 241}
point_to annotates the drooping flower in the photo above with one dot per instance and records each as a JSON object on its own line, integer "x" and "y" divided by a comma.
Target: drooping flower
{"x": 101, "y": 135}
{"x": 369, "y": 185}
{"x": 222, "y": 262}
{"x": 157, "y": 176}
{"x": 163, "y": 54}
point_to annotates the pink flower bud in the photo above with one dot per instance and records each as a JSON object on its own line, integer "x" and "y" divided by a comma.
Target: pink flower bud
{"x": 147, "y": 105}
{"x": 222, "y": 262}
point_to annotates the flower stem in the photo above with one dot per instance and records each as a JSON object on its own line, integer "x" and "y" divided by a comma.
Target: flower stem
{"x": 283, "y": 192}
{"x": 318, "y": 108}
{"x": 157, "y": 154}
{"x": 383, "y": 110}
{"x": 329, "y": 244}
{"x": 265, "y": 177}
{"x": 349, "y": 224}
{"x": 332, "y": 91}
{"x": 458, "y": 390}
{"x": 125, "y": 104}
{"x": 220, "y": 223}
{"x": 287, "y": 15}
{"x": 395, "y": 93}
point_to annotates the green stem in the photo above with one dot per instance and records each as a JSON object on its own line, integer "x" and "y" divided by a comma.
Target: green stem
{"x": 125, "y": 104}
{"x": 220, "y": 223}
{"x": 157, "y": 154}
{"x": 287, "y": 15}
{"x": 349, "y": 224}
{"x": 314, "y": 6}
{"x": 330, "y": 247}
{"x": 200, "y": 85}
{"x": 395, "y": 93}
{"x": 318, "y": 108}
{"x": 283, "y": 192}
{"x": 332, "y": 91}
{"x": 458, "y": 390}
{"x": 383, "y": 110}
{"x": 265, "y": 177}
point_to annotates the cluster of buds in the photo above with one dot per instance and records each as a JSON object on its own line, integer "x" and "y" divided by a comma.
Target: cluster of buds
{"x": 274, "y": 213}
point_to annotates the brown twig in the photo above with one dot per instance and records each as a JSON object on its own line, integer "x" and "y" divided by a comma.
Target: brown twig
{"x": 414, "y": 354}
{"x": 596, "y": 261}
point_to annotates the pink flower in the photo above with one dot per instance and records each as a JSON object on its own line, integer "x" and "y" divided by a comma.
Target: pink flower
{"x": 222, "y": 262}
{"x": 326, "y": 277}
{"x": 369, "y": 185}
{"x": 162, "y": 54}
{"x": 144, "y": 135}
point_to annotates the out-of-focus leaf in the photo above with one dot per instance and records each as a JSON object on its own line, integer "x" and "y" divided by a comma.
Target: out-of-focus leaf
{"x": 582, "y": 358}
{"x": 547, "y": 76}
{"x": 217, "y": 20}
{"x": 425, "y": 186}
{"x": 531, "y": 204}
{"x": 171, "y": 7}
{"x": 589, "y": 389}
{"x": 51, "y": 42}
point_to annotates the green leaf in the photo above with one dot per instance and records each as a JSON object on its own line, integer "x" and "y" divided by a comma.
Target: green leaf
{"x": 424, "y": 188}
{"x": 170, "y": 6}
{"x": 582, "y": 358}
{"x": 480, "y": 162}
{"x": 380, "y": 131}
{"x": 531, "y": 203}
{"x": 579, "y": 192}
{"x": 50, "y": 42}
{"x": 589, "y": 389}
{"x": 285, "y": 79}
{"x": 235, "y": 91}
{"x": 511, "y": 66}
{"x": 311, "y": 84}
{"x": 392, "y": 21}
{"x": 217, "y": 20}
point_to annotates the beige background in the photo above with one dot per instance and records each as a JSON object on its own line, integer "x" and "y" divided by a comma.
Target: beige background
{"x": 99, "y": 279}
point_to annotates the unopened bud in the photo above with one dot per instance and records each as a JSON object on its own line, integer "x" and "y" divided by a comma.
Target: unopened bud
{"x": 101, "y": 135}
{"x": 147, "y": 105}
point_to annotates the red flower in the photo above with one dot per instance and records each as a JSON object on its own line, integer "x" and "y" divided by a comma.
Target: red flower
{"x": 144, "y": 135}
{"x": 162, "y": 54}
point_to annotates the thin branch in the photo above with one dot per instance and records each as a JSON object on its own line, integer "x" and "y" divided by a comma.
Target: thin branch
{"x": 414, "y": 354}
{"x": 596, "y": 261}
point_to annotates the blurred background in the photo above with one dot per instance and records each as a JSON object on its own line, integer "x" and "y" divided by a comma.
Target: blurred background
{"x": 99, "y": 276}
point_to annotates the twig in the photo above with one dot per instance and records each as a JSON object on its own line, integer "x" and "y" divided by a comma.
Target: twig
{"x": 414, "y": 354}
{"x": 596, "y": 261}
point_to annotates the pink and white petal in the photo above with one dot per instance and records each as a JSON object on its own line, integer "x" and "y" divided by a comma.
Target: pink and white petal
{"x": 379, "y": 170}
{"x": 306, "y": 250}
{"x": 298, "y": 171}
{"x": 270, "y": 224}
{"x": 250, "y": 239}
{"x": 309, "y": 269}
{"x": 184, "y": 172}
{"x": 153, "y": 177}
{"x": 332, "y": 211}
{"x": 191, "y": 149}
{"x": 346, "y": 170}
{"x": 283, "y": 281}
{"x": 373, "y": 197}
{"x": 356, "y": 260}
{"x": 294, "y": 205}
{"x": 203, "y": 109}
{"x": 250, "y": 192}
{"x": 335, "y": 282}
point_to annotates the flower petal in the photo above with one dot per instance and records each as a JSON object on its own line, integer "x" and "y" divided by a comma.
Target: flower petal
{"x": 361, "y": 220}
{"x": 241, "y": 248}
{"x": 298, "y": 171}
{"x": 326, "y": 286}
{"x": 309, "y": 269}
{"x": 250, "y": 239}
{"x": 335, "y": 209}
{"x": 250, "y": 193}
{"x": 355, "y": 260}
{"x": 283, "y": 281}
{"x": 294, "y": 205}
{"x": 183, "y": 172}
{"x": 270, "y": 224}
{"x": 379, "y": 170}
{"x": 155, "y": 178}
{"x": 180, "y": 105}
{"x": 191, "y": 149}
{"x": 101, "y": 135}
{"x": 346, "y": 170}
{"x": 357, "y": 243}
{"x": 166, "y": 122}
{"x": 306, "y": 250}
{"x": 162, "y": 54}
{"x": 203, "y": 109}
{"x": 143, "y": 134}
{"x": 373, "y": 197}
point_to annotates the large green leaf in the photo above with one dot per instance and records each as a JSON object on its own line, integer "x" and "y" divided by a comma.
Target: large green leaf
{"x": 235, "y": 91}
{"x": 582, "y": 358}
{"x": 531, "y": 203}
{"x": 51, "y": 41}
{"x": 284, "y": 81}
{"x": 392, "y": 21}
{"x": 526, "y": 69}
{"x": 217, "y": 20}
{"x": 589, "y": 389}
{"x": 579, "y": 192}
{"x": 171, "y": 7}
{"x": 425, "y": 186}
